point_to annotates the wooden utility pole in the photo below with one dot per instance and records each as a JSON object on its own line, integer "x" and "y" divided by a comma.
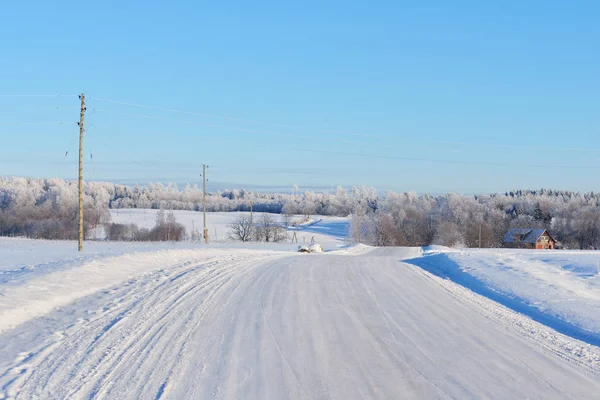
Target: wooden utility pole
{"x": 81, "y": 130}
{"x": 251, "y": 223}
{"x": 204, "y": 197}
{"x": 479, "y": 235}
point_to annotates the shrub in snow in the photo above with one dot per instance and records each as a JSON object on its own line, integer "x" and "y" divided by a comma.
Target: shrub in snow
{"x": 167, "y": 229}
{"x": 303, "y": 249}
{"x": 316, "y": 248}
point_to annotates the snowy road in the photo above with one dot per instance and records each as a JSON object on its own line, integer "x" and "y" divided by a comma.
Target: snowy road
{"x": 284, "y": 326}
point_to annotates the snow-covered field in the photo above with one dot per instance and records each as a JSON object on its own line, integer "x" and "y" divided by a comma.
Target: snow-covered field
{"x": 558, "y": 288}
{"x": 187, "y": 320}
{"x": 330, "y": 232}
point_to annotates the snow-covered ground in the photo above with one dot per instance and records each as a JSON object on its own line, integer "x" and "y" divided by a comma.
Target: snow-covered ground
{"x": 559, "y": 288}
{"x": 230, "y": 320}
{"x": 330, "y": 232}
{"x": 26, "y": 255}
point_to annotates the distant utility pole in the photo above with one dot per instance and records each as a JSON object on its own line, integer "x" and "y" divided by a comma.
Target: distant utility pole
{"x": 81, "y": 130}
{"x": 204, "y": 196}
{"x": 251, "y": 223}
{"x": 479, "y": 235}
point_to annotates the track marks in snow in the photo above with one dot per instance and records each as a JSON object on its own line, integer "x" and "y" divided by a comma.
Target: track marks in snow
{"x": 145, "y": 319}
{"x": 272, "y": 325}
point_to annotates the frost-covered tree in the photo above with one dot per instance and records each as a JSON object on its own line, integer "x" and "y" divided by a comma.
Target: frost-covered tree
{"x": 48, "y": 208}
{"x": 448, "y": 234}
{"x": 268, "y": 230}
{"x": 241, "y": 230}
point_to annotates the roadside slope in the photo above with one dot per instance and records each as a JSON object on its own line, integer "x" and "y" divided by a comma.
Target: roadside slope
{"x": 560, "y": 289}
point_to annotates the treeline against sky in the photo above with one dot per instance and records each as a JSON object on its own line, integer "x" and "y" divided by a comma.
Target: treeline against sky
{"x": 47, "y": 208}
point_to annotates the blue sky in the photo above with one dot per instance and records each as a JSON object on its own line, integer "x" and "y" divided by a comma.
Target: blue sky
{"x": 432, "y": 96}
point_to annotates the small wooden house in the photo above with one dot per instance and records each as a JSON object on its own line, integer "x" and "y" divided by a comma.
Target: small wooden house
{"x": 526, "y": 238}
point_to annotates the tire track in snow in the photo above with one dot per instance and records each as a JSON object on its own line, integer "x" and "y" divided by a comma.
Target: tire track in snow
{"x": 133, "y": 330}
{"x": 386, "y": 318}
{"x": 187, "y": 328}
{"x": 272, "y": 335}
{"x": 102, "y": 328}
{"x": 296, "y": 326}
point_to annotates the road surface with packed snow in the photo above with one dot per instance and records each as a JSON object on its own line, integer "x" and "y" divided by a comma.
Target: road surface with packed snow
{"x": 268, "y": 324}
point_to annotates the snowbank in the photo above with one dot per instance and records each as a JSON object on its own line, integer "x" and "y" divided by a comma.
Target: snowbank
{"x": 560, "y": 289}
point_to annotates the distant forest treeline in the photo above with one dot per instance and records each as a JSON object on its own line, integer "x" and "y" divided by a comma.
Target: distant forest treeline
{"x": 47, "y": 208}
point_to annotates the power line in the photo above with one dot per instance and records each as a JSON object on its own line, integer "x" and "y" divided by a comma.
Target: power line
{"x": 34, "y": 122}
{"x": 249, "y": 130}
{"x": 328, "y": 152}
{"x": 362, "y": 143}
{"x": 38, "y": 106}
{"x": 181, "y": 166}
{"x": 441, "y": 161}
{"x": 145, "y": 165}
{"x": 508, "y": 146}
{"x": 336, "y": 132}
{"x": 309, "y": 137}
{"x": 195, "y": 113}
{"x": 38, "y": 95}
{"x": 351, "y": 142}
{"x": 178, "y": 166}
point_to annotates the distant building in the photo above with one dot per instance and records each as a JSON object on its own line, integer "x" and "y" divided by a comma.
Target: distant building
{"x": 526, "y": 238}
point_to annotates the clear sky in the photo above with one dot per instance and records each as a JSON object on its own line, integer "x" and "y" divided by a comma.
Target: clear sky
{"x": 432, "y": 96}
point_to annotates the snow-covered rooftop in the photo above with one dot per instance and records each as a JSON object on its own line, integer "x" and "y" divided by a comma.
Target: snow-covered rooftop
{"x": 523, "y": 235}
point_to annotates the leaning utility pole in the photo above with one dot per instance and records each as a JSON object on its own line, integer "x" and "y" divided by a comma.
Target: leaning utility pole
{"x": 81, "y": 121}
{"x": 204, "y": 197}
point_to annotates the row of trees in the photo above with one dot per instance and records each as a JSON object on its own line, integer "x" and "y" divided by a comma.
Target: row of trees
{"x": 158, "y": 196}
{"x": 266, "y": 230}
{"x": 47, "y": 208}
{"x": 472, "y": 221}
{"x": 166, "y": 229}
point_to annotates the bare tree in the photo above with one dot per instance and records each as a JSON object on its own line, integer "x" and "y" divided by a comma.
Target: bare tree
{"x": 165, "y": 230}
{"x": 386, "y": 230}
{"x": 171, "y": 225}
{"x": 269, "y": 230}
{"x": 472, "y": 230}
{"x": 363, "y": 227}
{"x": 588, "y": 229}
{"x": 449, "y": 235}
{"x": 241, "y": 229}
{"x": 160, "y": 217}
{"x": 288, "y": 214}
{"x": 120, "y": 232}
